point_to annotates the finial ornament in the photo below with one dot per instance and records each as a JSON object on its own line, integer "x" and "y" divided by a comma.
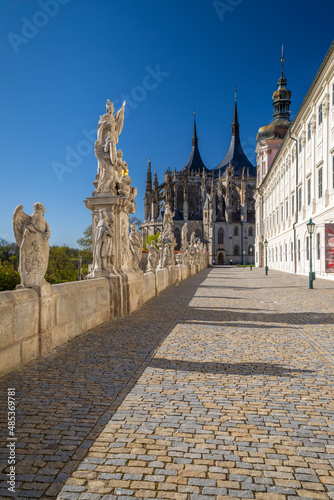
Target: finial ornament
{"x": 235, "y": 90}
{"x": 282, "y": 58}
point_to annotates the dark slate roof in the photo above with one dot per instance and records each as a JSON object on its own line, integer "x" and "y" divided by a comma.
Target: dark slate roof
{"x": 177, "y": 216}
{"x": 159, "y": 218}
{"x": 235, "y": 154}
{"x": 195, "y": 162}
{"x": 195, "y": 216}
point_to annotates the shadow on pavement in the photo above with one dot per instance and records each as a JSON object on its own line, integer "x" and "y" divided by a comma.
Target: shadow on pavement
{"x": 243, "y": 369}
{"x": 64, "y": 400}
{"x": 238, "y": 318}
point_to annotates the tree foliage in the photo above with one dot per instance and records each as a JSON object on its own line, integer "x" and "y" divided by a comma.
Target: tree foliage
{"x": 63, "y": 265}
{"x": 149, "y": 239}
{"x": 86, "y": 242}
{"x": 9, "y": 278}
{"x": 9, "y": 263}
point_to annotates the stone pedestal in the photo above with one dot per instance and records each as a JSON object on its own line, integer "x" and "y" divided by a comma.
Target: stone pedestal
{"x": 118, "y": 214}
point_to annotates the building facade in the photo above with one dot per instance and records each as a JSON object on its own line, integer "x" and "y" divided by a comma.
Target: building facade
{"x": 295, "y": 179}
{"x": 216, "y": 204}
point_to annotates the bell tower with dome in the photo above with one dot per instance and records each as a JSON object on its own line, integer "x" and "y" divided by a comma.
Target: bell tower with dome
{"x": 270, "y": 137}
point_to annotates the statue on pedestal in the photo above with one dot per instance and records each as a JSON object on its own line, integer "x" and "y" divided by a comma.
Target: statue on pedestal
{"x": 109, "y": 129}
{"x": 135, "y": 247}
{"x": 167, "y": 240}
{"x": 102, "y": 257}
{"x": 192, "y": 249}
{"x": 32, "y": 233}
{"x": 115, "y": 195}
{"x": 153, "y": 258}
{"x": 184, "y": 245}
{"x": 110, "y": 164}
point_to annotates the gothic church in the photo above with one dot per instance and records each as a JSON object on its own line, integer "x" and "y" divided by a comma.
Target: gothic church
{"x": 217, "y": 204}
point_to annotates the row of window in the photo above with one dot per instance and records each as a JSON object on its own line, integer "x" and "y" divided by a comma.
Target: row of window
{"x": 272, "y": 220}
{"x": 236, "y": 250}
{"x": 198, "y": 234}
{"x": 235, "y": 233}
{"x": 276, "y": 254}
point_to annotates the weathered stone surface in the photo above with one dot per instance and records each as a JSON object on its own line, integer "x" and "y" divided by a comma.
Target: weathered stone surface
{"x": 6, "y": 328}
{"x": 10, "y": 359}
{"x": 30, "y": 349}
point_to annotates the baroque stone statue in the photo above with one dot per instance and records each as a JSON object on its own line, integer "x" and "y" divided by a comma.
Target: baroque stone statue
{"x": 167, "y": 240}
{"x": 184, "y": 245}
{"x": 135, "y": 247}
{"x": 102, "y": 257}
{"x": 153, "y": 258}
{"x": 32, "y": 233}
{"x": 110, "y": 164}
{"x": 109, "y": 129}
{"x": 192, "y": 249}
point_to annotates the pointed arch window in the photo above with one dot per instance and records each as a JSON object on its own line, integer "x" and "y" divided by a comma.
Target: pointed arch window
{"x": 221, "y": 236}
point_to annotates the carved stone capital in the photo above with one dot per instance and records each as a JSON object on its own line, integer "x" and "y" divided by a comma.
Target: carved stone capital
{"x": 313, "y": 122}
{"x": 303, "y": 138}
{"x": 325, "y": 105}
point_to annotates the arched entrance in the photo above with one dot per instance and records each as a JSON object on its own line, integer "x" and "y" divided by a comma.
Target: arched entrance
{"x": 220, "y": 258}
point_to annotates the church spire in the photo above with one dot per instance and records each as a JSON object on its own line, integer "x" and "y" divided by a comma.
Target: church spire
{"x": 282, "y": 97}
{"x": 195, "y": 162}
{"x": 149, "y": 175}
{"x": 195, "y": 138}
{"x": 235, "y": 124}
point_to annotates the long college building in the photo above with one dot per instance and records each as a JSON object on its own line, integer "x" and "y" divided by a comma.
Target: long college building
{"x": 295, "y": 179}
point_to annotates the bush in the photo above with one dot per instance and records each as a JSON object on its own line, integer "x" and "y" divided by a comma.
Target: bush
{"x": 9, "y": 278}
{"x": 149, "y": 239}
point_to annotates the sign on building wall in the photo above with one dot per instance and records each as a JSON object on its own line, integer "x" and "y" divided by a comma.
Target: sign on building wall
{"x": 329, "y": 247}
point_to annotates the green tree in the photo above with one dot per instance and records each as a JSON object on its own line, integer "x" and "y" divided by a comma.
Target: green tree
{"x": 86, "y": 252}
{"x": 63, "y": 265}
{"x": 86, "y": 242}
{"x": 9, "y": 252}
{"x": 150, "y": 238}
{"x": 9, "y": 278}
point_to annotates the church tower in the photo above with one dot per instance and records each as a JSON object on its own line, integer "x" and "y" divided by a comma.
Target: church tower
{"x": 270, "y": 137}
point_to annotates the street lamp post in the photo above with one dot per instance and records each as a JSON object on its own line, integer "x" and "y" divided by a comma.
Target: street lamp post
{"x": 266, "y": 267}
{"x": 244, "y": 258}
{"x": 310, "y": 229}
{"x": 251, "y": 254}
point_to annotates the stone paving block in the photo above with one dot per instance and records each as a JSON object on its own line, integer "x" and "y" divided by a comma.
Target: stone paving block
{"x": 229, "y": 383}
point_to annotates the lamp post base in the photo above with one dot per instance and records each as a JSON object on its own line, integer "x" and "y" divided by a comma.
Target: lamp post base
{"x": 310, "y": 280}
{"x": 266, "y": 270}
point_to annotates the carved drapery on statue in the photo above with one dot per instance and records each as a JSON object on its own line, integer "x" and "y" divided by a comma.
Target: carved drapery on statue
{"x": 135, "y": 247}
{"x": 153, "y": 258}
{"x": 185, "y": 245}
{"x": 112, "y": 171}
{"x": 32, "y": 233}
{"x": 167, "y": 241}
{"x": 102, "y": 255}
{"x": 115, "y": 195}
{"x": 192, "y": 249}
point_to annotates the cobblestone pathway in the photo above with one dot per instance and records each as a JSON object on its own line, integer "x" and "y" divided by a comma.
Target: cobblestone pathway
{"x": 219, "y": 388}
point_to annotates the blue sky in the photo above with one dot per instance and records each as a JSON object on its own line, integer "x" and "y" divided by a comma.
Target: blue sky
{"x": 62, "y": 59}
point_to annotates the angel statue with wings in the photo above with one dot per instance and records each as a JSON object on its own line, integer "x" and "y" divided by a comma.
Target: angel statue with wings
{"x": 109, "y": 129}
{"x": 32, "y": 233}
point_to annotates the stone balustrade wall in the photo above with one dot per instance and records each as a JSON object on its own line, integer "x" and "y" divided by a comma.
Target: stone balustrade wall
{"x": 33, "y": 324}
